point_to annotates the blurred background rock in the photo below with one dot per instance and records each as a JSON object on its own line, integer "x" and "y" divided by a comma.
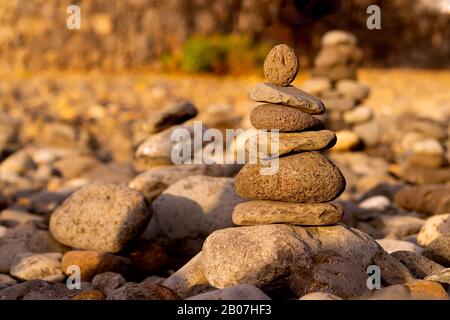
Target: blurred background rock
{"x": 117, "y": 35}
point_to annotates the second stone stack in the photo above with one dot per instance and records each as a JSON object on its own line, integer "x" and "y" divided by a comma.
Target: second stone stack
{"x": 300, "y": 190}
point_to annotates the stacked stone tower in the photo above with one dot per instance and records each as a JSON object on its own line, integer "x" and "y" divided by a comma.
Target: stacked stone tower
{"x": 305, "y": 181}
{"x": 335, "y": 83}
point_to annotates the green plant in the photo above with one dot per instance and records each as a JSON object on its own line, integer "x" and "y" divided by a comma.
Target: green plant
{"x": 222, "y": 53}
{"x": 201, "y": 55}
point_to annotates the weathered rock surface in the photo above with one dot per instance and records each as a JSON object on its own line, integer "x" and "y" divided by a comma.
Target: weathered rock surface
{"x": 268, "y": 212}
{"x": 433, "y": 228}
{"x": 283, "y": 118}
{"x": 288, "y": 96}
{"x": 16, "y": 241}
{"x": 102, "y": 217}
{"x": 43, "y": 266}
{"x": 304, "y": 177}
{"x": 419, "y": 266}
{"x": 265, "y": 255}
{"x": 189, "y": 210}
{"x": 281, "y": 65}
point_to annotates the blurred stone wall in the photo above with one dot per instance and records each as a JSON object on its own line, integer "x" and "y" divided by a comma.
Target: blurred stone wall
{"x": 118, "y": 34}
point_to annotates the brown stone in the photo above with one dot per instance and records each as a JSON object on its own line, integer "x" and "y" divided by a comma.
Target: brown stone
{"x": 328, "y": 272}
{"x": 90, "y": 295}
{"x": 285, "y": 119}
{"x": 288, "y": 96}
{"x": 426, "y": 290}
{"x": 268, "y": 212}
{"x": 304, "y": 177}
{"x": 428, "y": 199}
{"x": 392, "y": 271}
{"x": 92, "y": 263}
{"x": 295, "y": 142}
{"x": 148, "y": 258}
{"x": 419, "y": 266}
{"x": 167, "y": 117}
{"x": 281, "y": 65}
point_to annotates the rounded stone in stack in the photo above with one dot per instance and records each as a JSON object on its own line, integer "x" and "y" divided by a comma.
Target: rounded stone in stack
{"x": 307, "y": 177}
{"x": 286, "y": 119}
{"x": 281, "y": 65}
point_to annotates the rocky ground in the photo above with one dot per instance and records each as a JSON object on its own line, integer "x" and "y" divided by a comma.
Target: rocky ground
{"x": 75, "y": 189}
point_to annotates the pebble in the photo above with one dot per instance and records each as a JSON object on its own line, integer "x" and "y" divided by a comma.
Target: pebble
{"x": 289, "y": 96}
{"x": 419, "y": 266}
{"x": 44, "y": 266}
{"x": 269, "y": 212}
{"x": 189, "y": 280}
{"x": 428, "y": 199}
{"x": 41, "y": 290}
{"x": 157, "y": 149}
{"x": 6, "y": 281}
{"x": 236, "y": 292}
{"x": 428, "y": 146}
{"x": 392, "y": 270}
{"x": 329, "y": 272}
{"x": 90, "y": 295}
{"x": 189, "y": 210}
{"x": 422, "y": 175}
{"x": 439, "y": 250}
{"x": 359, "y": 114}
{"x": 339, "y": 104}
{"x": 151, "y": 183}
{"x": 14, "y": 218}
{"x": 94, "y": 217}
{"x": 426, "y": 126}
{"x": 17, "y": 241}
{"x": 395, "y": 292}
{"x": 304, "y": 177}
{"x": 75, "y": 166}
{"x": 264, "y": 255}
{"x": 167, "y": 117}
{"x": 148, "y": 257}
{"x": 433, "y": 228}
{"x": 18, "y": 163}
{"x": 368, "y": 132}
{"x": 392, "y": 245}
{"x": 426, "y": 290}
{"x": 108, "y": 281}
{"x": 281, "y": 65}
{"x": 146, "y": 290}
{"x": 441, "y": 276}
{"x": 376, "y": 202}
{"x": 316, "y": 86}
{"x": 92, "y": 263}
{"x": 433, "y": 161}
{"x": 319, "y": 296}
{"x": 352, "y": 89}
{"x": 346, "y": 140}
{"x": 285, "y": 119}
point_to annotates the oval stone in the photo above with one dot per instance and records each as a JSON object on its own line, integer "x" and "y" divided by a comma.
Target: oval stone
{"x": 281, "y": 65}
{"x": 303, "y": 177}
{"x": 285, "y": 119}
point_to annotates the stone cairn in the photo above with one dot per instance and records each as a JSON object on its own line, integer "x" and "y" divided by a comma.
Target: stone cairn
{"x": 300, "y": 191}
{"x": 334, "y": 82}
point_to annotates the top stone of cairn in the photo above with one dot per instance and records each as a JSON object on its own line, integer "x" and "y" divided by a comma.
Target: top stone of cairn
{"x": 281, "y": 65}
